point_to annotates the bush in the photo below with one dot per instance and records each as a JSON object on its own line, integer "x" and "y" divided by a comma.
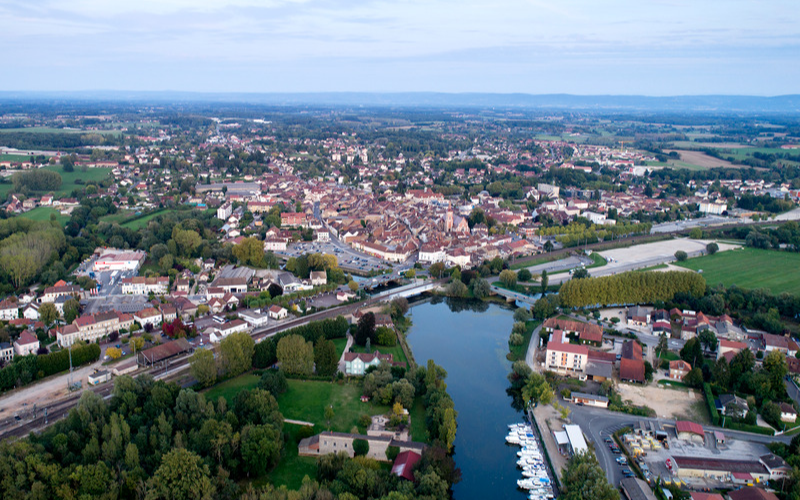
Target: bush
{"x": 566, "y": 393}
{"x": 360, "y": 447}
{"x": 386, "y": 337}
{"x": 392, "y": 452}
{"x": 516, "y": 339}
{"x": 273, "y": 381}
{"x": 712, "y": 248}
{"x": 711, "y": 404}
{"x": 524, "y": 275}
{"x": 681, "y": 256}
{"x": 364, "y": 420}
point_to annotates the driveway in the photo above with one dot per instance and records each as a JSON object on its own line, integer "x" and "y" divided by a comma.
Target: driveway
{"x": 530, "y": 356}
{"x": 347, "y": 347}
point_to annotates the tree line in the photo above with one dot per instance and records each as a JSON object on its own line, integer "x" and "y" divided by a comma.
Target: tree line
{"x": 25, "y": 369}
{"x": 630, "y": 288}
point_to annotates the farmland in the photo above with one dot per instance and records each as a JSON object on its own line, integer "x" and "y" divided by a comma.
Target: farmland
{"x": 750, "y": 268}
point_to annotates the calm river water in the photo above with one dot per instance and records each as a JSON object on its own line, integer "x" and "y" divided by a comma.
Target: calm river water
{"x": 470, "y": 340}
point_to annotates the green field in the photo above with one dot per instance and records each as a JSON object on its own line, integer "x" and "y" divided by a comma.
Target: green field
{"x": 396, "y": 351}
{"x": 52, "y": 130}
{"x": 43, "y": 213}
{"x": 141, "y": 222}
{"x": 292, "y": 468}
{"x": 15, "y": 158}
{"x": 230, "y": 388}
{"x": 91, "y": 176}
{"x": 750, "y": 268}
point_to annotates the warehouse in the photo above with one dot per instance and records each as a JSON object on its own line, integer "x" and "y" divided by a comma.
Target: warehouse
{"x": 690, "y": 431}
{"x": 722, "y": 470}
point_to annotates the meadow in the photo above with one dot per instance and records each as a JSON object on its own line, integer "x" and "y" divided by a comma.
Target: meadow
{"x": 750, "y": 268}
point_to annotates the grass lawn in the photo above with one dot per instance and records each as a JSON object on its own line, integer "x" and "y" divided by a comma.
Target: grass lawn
{"x": 306, "y": 400}
{"x": 230, "y": 388}
{"x": 519, "y": 351}
{"x": 651, "y": 268}
{"x": 340, "y": 345}
{"x": 15, "y": 158}
{"x": 91, "y": 176}
{"x": 750, "y": 268}
{"x": 396, "y": 351}
{"x": 141, "y": 222}
{"x": 674, "y": 384}
{"x": 292, "y": 468}
{"x": 43, "y": 213}
{"x": 419, "y": 432}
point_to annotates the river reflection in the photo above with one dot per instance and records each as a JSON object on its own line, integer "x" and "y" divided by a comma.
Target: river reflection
{"x": 469, "y": 339}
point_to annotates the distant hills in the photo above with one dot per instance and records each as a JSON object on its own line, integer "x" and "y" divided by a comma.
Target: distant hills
{"x": 558, "y": 102}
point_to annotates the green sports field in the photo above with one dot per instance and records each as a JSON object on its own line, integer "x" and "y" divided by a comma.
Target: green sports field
{"x": 750, "y": 268}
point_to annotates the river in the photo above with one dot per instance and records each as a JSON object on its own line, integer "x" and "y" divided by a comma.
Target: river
{"x": 469, "y": 339}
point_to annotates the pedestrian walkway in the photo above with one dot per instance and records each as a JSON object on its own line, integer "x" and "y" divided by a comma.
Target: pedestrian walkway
{"x": 342, "y": 364}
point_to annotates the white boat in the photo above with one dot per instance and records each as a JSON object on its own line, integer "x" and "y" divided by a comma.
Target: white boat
{"x": 512, "y": 439}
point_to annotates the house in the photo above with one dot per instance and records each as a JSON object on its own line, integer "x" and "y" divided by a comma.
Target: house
{"x": 9, "y": 310}
{"x": 254, "y": 317}
{"x": 731, "y": 405}
{"x": 780, "y": 343}
{"x": 318, "y": 278}
{"x": 788, "y": 413}
{"x": 729, "y": 346}
{"x": 236, "y": 325}
{"x": 638, "y": 316}
{"x": 26, "y": 343}
{"x": 356, "y": 363}
{"x": 678, "y": 369}
{"x": 6, "y": 352}
{"x": 277, "y": 312}
{"x": 751, "y": 493}
{"x": 404, "y": 464}
{"x": 690, "y": 431}
{"x": 566, "y": 358}
{"x": 31, "y": 311}
{"x": 631, "y": 370}
{"x": 589, "y": 400}
{"x": 148, "y": 316}
{"x": 139, "y": 285}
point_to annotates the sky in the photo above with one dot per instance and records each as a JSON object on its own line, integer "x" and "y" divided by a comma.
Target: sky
{"x": 591, "y": 47}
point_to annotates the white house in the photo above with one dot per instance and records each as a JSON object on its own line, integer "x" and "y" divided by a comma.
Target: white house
{"x": 277, "y": 312}
{"x": 224, "y": 211}
{"x": 788, "y": 413}
{"x": 147, "y": 316}
{"x": 9, "y": 310}
{"x": 356, "y": 363}
{"x": 31, "y": 312}
{"x": 26, "y": 343}
{"x": 6, "y": 352}
{"x": 713, "y": 208}
{"x": 233, "y": 326}
{"x": 318, "y": 278}
{"x": 254, "y": 317}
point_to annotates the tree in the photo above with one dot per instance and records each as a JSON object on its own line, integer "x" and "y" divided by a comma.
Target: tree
{"x": 250, "y": 251}
{"x": 694, "y": 378}
{"x": 537, "y": 390}
{"x": 681, "y": 256}
{"x": 481, "y": 288}
{"x": 772, "y": 414}
{"x": 398, "y": 307}
{"x": 114, "y": 353}
{"x": 583, "y": 478}
{"x": 360, "y": 447}
{"x": 48, "y": 313}
{"x": 325, "y": 358}
{"x": 365, "y": 329}
{"x": 545, "y": 307}
{"x": 508, "y": 278}
{"x": 203, "y": 367}
{"x": 692, "y": 352}
{"x": 580, "y": 274}
{"x": 516, "y": 339}
{"x": 524, "y": 275}
{"x": 273, "y": 381}
{"x": 237, "y": 353}
{"x": 295, "y": 355}
{"x": 166, "y": 262}
{"x": 663, "y": 345}
{"x": 261, "y": 448}
{"x": 708, "y": 340}
{"x": 775, "y": 366}
{"x": 353, "y": 286}
{"x": 648, "y": 371}
{"x": 548, "y": 246}
{"x": 72, "y": 309}
{"x": 457, "y": 288}
{"x": 545, "y": 281}
{"x": 264, "y": 354}
{"x": 712, "y": 248}
{"x": 696, "y": 233}
{"x": 522, "y": 314}
{"x": 436, "y": 270}
{"x": 181, "y": 476}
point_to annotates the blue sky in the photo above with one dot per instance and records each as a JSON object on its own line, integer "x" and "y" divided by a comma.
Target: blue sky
{"x": 647, "y": 47}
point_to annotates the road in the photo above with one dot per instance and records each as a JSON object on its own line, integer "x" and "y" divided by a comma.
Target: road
{"x": 530, "y": 355}
{"x": 172, "y": 370}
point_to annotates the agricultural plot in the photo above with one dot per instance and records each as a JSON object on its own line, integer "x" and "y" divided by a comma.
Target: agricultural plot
{"x": 750, "y": 268}
{"x": 43, "y": 213}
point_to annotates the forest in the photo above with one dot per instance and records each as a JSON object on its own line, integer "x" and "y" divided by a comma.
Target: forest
{"x": 630, "y": 288}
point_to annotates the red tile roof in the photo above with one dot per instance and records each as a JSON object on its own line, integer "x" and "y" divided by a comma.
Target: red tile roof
{"x": 686, "y": 426}
{"x": 631, "y": 369}
{"x": 404, "y": 463}
{"x": 570, "y": 348}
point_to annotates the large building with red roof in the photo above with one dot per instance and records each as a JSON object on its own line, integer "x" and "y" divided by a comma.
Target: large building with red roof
{"x": 568, "y": 359}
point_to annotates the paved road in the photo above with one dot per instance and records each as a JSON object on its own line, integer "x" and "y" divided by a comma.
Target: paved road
{"x": 530, "y": 356}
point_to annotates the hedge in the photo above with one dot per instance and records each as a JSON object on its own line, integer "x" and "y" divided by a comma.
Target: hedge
{"x": 25, "y": 369}
{"x": 711, "y": 404}
{"x": 757, "y": 429}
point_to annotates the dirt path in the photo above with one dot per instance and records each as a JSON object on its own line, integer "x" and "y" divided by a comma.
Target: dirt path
{"x": 667, "y": 403}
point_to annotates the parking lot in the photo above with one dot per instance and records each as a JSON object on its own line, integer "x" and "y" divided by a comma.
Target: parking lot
{"x": 347, "y": 257}
{"x": 122, "y": 303}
